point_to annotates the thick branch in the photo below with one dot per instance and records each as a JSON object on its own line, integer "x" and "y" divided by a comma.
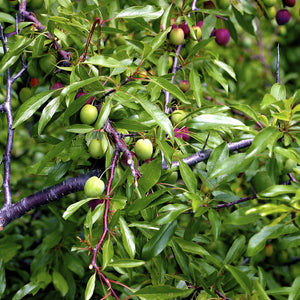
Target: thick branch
{"x": 13, "y": 211}
{"x": 204, "y": 155}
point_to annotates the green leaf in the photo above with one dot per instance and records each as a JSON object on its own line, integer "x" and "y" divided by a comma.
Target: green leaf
{"x": 267, "y": 100}
{"x": 58, "y": 148}
{"x": 214, "y": 219}
{"x": 30, "y": 287}
{"x": 166, "y": 16}
{"x": 171, "y": 88}
{"x": 208, "y": 26}
{"x": 128, "y": 238}
{"x": 159, "y": 241}
{"x": 196, "y": 86}
{"x": 159, "y": 116}
{"x": 190, "y": 247}
{"x": 245, "y": 20}
{"x": 48, "y": 112}
{"x": 29, "y": 107}
{"x": 260, "y": 291}
{"x": 236, "y": 250}
{"x": 157, "y": 42}
{"x": 220, "y": 153}
{"x": 60, "y": 283}
{"x": 162, "y": 292}
{"x": 213, "y": 71}
{"x": 278, "y": 91}
{"x": 104, "y": 113}
{"x": 295, "y": 289}
{"x": 126, "y": 263}
{"x": 90, "y": 287}
{"x": 142, "y": 203}
{"x": 233, "y": 164}
{"x": 213, "y": 121}
{"x": 80, "y": 128}
{"x": 265, "y": 138}
{"x": 188, "y": 176}
{"x": 247, "y": 110}
{"x": 7, "y": 18}
{"x": 258, "y": 240}
{"x": 242, "y": 279}
{"x": 147, "y": 11}
{"x": 8, "y": 250}
{"x": 2, "y": 278}
{"x": 150, "y": 175}
{"x": 13, "y": 54}
{"x": 108, "y": 253}
{"x": 228, "y": 69}
{"x": 74, "y": 207}
{"x": 277, "y": 190}
{"x": 103, "y": 61}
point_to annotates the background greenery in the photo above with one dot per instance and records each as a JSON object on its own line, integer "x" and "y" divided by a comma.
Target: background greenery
{"x": 167, "y": 240}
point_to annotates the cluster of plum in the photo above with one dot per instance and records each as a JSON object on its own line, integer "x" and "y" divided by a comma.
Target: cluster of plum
{"x": 283, "y": 15}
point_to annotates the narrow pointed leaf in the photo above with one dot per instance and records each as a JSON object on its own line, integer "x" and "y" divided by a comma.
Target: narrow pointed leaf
{"x": 147, "y": 11}
{"x": 90, "y": 287}
{"x": 127, "y": 238}
{"x": 188, "y": 176}
{"x": 241, "y": 277}
{"x": 196, "y": 86}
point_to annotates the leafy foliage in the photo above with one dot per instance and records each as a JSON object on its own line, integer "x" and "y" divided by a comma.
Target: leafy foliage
{"x": 200, "y": 237}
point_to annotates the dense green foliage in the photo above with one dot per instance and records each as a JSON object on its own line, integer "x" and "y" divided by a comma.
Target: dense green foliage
{"x": 198, "y": 230}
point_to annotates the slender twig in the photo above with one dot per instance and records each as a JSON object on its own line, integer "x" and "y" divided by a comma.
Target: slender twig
{"x": 235, "y": 202}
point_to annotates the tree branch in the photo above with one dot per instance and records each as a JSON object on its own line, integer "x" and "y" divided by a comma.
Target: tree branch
{"x": 11, "y": 212}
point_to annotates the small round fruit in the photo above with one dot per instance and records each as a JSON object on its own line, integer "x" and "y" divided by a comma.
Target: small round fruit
{"x": 88, "y": 114}
{"x": 290, "y": 3}
{"x": 283, "y": 16}
{"x": 223, "y": 4}
{"x": 269, "y": 250}
{"x": 209, "y": 5}
{"x": 271, "y": 12}
{"x": 176, "y": 36}
{"x": 143, "y": 149}
{"x": 182, "y": 133}
{"x": 34, "y": 82}
{"x": 222, "y": 36}
{"x": 25, "y": 93}
{"x": 177, "y": 116}
{"x": 269, "y": 3}
{"x": 94, "y": 187}
{"x": 198, "y": 32}
{"x": 184, "y": 85}
{"x": 47, "y": 63}
{"x": 97, "y": 148}
{"x": 185, "y": 29}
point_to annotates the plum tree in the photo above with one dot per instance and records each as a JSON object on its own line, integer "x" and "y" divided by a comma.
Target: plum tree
{"x": 88, "y": 114}
{"x": 94, "y": 187}
{"x": 143, "y": 148}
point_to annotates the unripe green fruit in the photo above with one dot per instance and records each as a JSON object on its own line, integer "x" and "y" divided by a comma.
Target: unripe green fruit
{"x": 290, "y": 164}
{"x": 98, "y": 148}
{"x": 47, "y": 63}
{"x": 88, "y": 114}
{"x": 269, "y": 3}
{"x": 25, "y": 93}
{"x": 94, "y": 187}
{"x": 143, "y": 149}
{"x": 176, "y": 36}
{"x": 224, "y": 4}
{"x": 269, "y": 250}
{"x": 184, "y": 85}
{"x": 198, "y": 32}
{"x": 178, "y": 116}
